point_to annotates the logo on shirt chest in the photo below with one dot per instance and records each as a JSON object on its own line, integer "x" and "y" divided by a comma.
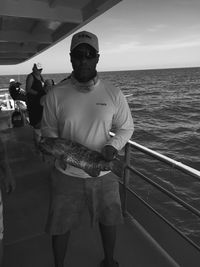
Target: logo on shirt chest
{"x": 101, "y": 104}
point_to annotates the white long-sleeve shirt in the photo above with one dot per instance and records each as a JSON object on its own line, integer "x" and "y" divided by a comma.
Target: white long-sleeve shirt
{"x": 87, "y": 117}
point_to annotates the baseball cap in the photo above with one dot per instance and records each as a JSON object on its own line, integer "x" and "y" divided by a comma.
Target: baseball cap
{"x": 84, "y": 37}
{"x": 37, "y": 66}
{"x": 12, "y": 80}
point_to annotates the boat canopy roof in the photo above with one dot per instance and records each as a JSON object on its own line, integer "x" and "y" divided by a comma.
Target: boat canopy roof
{"x": 28, "y": 27}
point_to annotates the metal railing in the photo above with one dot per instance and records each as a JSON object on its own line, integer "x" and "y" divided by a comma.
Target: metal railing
{"x": 174, "y": 164}
{"x": 171, "y": 162}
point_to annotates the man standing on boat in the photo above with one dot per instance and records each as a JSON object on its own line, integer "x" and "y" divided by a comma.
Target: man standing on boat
{"x": 84, "y": 108}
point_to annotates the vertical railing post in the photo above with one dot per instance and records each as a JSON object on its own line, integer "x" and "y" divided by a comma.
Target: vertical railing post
{"x": 126, "y": 174}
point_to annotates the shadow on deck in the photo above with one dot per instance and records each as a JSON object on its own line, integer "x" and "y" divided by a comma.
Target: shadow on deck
{"x": 25, "y": 213}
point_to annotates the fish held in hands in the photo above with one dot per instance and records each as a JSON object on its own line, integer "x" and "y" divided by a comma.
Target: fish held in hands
{"x": 75, "y": 154}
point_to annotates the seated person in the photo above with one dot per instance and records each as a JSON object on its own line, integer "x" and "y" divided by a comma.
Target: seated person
{"x": 15, "y": 91}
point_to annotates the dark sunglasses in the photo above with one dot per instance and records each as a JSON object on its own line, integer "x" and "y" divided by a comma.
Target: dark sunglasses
{"x": 81, "y": 55}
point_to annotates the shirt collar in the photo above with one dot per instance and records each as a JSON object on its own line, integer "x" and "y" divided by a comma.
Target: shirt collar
{"x": 85, "y": 86}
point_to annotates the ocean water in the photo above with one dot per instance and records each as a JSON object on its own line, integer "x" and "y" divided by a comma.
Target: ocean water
{"x": 165, "y": 105}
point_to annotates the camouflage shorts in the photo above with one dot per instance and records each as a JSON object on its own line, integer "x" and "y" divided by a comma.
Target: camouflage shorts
{"x": 1, "y": 217}
{"x": 71, "y": 195}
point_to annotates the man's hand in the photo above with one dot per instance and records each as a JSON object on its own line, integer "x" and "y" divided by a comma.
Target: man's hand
{"x": 109, "y": 152}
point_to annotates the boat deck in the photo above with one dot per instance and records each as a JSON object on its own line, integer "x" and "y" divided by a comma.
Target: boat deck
{"x": 25, "y": 211}
{"x": 132, "y": 249}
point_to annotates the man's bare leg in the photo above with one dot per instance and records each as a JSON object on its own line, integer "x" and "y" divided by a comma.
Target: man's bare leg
{"x": 108, "y": 235}
{"x": 59, "y": 244}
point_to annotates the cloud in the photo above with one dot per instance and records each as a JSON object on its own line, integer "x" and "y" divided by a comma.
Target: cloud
{"x": 190, "y": 41}
{"x": 157, "y": 28}
{"x": 185, "y": 2}
{"x": 172, "y": 45}
{"x": 134, "y": 46}
{"x": 123, "y": 47}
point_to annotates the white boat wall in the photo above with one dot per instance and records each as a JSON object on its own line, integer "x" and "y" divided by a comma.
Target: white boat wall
{"x": 148, "y": 238}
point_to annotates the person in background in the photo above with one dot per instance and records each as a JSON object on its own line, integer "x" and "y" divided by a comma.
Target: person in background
{"x": 83, "y": 108}
{"x": 48, "y": 85}
{"x": 15, "y": 91}
{"x": 11, "y": 86}
{"x": 34, "y": 92}
{"x": 8, "y": 182}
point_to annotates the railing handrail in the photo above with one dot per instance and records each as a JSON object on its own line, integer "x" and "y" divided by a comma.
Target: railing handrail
{"x": 174, "y": 163}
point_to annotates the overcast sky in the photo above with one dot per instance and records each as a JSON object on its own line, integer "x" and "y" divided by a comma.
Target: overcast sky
{"x": 135, "y": 34}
